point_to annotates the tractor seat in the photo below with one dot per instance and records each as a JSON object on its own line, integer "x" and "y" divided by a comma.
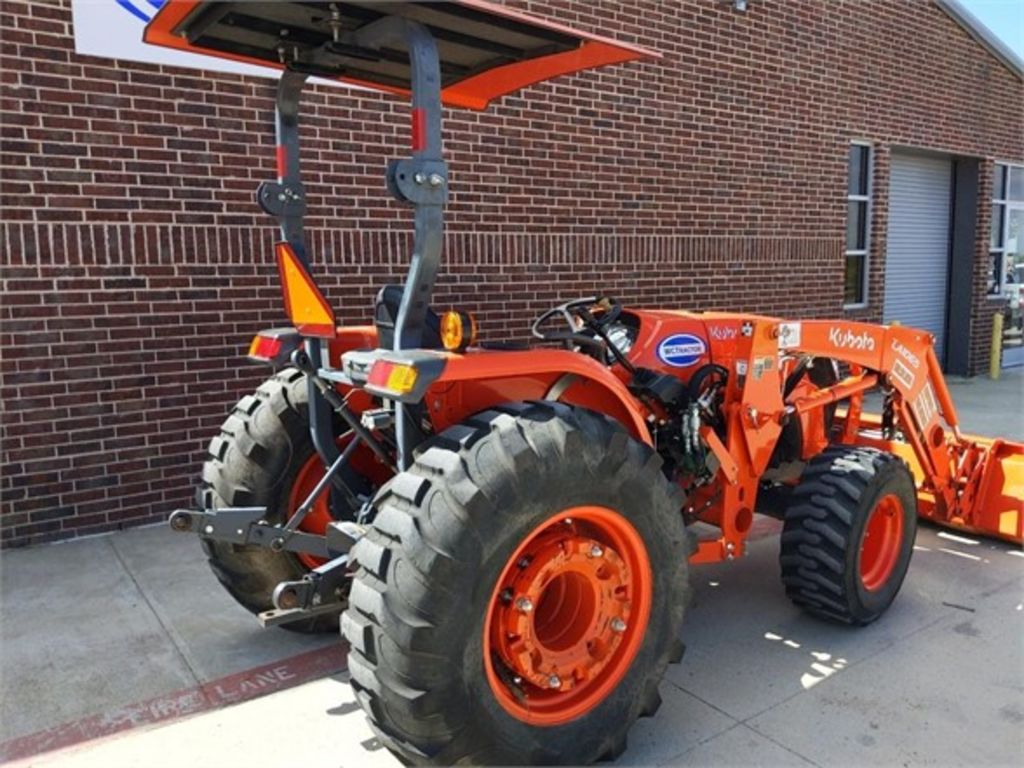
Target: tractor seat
{"x": 385, "y": 314}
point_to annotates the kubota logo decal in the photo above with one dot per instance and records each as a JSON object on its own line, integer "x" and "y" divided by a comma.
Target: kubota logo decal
{"x": 847, "y": 339}
{"x": 681, "y": 350}
{"x": 723, "y": 332}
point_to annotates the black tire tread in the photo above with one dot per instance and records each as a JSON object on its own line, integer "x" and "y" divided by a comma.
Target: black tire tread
{"x": 395, "y": 618}
{"x": 248, "y": 463}
{"x": 820, "y": 528}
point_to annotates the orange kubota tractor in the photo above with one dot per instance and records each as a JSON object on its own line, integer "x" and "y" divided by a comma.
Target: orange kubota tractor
{"x": 505, "y": 530}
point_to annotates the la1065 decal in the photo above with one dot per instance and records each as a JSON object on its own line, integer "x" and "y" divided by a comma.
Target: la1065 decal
{"x": 681, "y": 350}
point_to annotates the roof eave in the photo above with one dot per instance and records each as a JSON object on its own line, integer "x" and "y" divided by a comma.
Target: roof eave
{"x": 973, "y": 26}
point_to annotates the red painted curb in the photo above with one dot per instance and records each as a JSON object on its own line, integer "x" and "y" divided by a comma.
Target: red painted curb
{"x": 242, "y": 686}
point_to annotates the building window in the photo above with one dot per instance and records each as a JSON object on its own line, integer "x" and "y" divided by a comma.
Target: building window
{"x": 1006, "y": 230}
{"x": 858, "y": 226}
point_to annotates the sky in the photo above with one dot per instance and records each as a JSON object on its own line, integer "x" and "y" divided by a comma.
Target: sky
{"x": 1004, "y": 17}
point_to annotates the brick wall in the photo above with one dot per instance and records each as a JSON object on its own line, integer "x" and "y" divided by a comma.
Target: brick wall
{"x": 136, "y": 265}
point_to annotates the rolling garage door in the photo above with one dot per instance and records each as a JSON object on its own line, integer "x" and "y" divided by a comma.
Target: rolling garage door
{"x": 917, "y": 245}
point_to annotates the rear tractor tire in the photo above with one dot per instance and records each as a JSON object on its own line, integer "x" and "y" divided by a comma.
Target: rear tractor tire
{"x": 264, "y": 457}
{"x": 849, "y": 534}
{"x": 520, "y": 593}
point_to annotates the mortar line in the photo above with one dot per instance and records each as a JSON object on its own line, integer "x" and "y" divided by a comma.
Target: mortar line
{"x": 160, "y": 620}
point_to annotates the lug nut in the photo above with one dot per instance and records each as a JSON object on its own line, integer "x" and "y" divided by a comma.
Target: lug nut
{"x": 618, "y": 625}
{"x": 524, "y": 605}
{"x": 596, "y": 551}
{"x": 506, "y": 595}
{"x": 554, "y": 681}
{"x": 436, "y": 180}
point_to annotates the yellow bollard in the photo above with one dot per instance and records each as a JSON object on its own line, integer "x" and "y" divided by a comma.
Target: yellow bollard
{"x": 997, "y": 346}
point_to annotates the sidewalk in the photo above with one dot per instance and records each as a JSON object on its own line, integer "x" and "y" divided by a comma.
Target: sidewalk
{"x": 993, "y": 408}
{"x": 124, "y": 650}
{"x": 985, "y": 407}
{"x": 938, "y": 680}
{"x": 127, "y": 629}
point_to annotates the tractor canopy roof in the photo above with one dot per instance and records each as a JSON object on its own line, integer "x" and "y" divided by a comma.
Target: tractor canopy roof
{"x": 485, "y": 50}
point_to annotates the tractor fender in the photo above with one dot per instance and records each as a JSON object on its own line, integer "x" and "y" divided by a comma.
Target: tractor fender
{"x": 480, "y": 379}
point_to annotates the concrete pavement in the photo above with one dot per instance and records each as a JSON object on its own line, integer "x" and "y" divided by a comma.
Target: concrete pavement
{"x": 938, "y": 681}
{"x": 123, "y": 650}
{"x": 92, "y": 628}
{"x": 994, "y": 408}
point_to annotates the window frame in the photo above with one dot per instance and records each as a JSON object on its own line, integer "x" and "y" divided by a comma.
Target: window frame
{"x": 867, "y": 199}
{"x": 1006, "y": 203}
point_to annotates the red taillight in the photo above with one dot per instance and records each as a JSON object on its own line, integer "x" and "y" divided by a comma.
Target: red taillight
{"x": 393, "y": 378}
{"x": 264, "y": 348}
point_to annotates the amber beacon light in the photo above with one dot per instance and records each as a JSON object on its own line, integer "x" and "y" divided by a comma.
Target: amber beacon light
{"x": 458, "y": 330}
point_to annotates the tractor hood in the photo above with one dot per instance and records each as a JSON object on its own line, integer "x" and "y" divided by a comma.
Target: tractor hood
{"x": 485, "y": 50}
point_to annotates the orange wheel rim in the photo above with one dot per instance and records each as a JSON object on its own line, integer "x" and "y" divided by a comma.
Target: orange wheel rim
{"x": 882, "y": 541}
{"x": 567, "y": 615}
{"x": 362, "y": 461}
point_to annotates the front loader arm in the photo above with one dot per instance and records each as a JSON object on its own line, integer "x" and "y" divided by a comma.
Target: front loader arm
{"x": 957, "y": 472}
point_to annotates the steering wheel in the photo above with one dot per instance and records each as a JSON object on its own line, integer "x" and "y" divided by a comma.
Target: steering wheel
{"x": 579, "y": 316}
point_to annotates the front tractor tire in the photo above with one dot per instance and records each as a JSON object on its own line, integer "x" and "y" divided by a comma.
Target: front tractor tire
{"x": 849, "y": 534}
{"x": 520, "y": 593}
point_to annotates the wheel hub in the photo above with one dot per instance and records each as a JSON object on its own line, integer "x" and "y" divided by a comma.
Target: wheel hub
{"x": 567, "y": 615}
{"x": 881, "y": 543}
{"x": 564, "y": 610}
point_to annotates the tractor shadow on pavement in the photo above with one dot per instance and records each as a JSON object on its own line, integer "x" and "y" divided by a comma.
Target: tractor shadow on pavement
{"x": 938, "y": 678}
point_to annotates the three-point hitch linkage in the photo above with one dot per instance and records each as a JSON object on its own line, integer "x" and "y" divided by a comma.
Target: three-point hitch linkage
{"x": 420, "y": 180}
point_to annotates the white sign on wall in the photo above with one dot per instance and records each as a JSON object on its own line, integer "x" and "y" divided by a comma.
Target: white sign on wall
{"x": 113, "y": 29}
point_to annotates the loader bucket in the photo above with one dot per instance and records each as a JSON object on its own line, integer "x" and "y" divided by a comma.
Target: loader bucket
{"x": 992, "y": 486}
{"x": 1000, "y": 503}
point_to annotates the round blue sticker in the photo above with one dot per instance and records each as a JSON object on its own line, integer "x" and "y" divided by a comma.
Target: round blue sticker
{"x": 681, "y": 350}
